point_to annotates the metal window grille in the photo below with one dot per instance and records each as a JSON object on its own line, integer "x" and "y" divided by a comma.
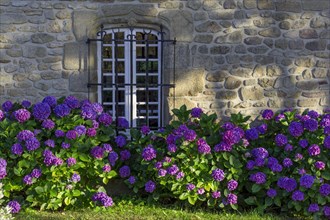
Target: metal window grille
{"x": 130, "y": 66}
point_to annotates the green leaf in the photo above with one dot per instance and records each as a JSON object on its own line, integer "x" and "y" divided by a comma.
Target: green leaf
{"x": 39, "y": 189}
{"x": 76, "y": 192}
{"x": 235, "y": 207}
{"x": 250, "y": 201}
{"x": 231, "y": 160}
{"x": 192, "y": 200}
{"x": 277, "y": 201}
{"x": 326, "y": 175}
{"x": 268, "y": 201}
{"x": 105, "y": 180}
{"x": 183, "y": 196}
{"x": 84, "y": 157}
{"x": 256, "y": 188}
{"x": 67, "y": 201}
{"x": 321, "y": 200}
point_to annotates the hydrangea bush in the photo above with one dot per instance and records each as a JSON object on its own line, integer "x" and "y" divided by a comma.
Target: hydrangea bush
{"x": 57, "y": 154}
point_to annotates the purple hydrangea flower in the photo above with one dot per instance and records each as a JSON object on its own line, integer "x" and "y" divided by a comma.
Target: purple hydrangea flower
{"x": 81, "y": 130}
{"x": 105, "y": 119}
{"x": 288, "y": 147}
{"x": 200, "y": 191}
{"x": 303, "y": 143}
{"x": 32, "y": 144}
{"x": 313, "y": 114}
{"x": 22, "y": 115}
{"x": 87, "y": 112}
{"x": 324, "y": 189}
{"x": 59, "y": 133}
{"x": 326, "y": 211}
{"x": 296, "y": 129}
{"x": 262, "y": 129}
{"x": 325, "y": 121}
{"x": 158, "y": 165}
{"x": 50, "y": 100}
{"x": 48, "y": 124}
{"x": 307, "y": 181}
{"x": 2, "y": 115}
{"x": 228, "y": 126}
{"x": 172, "y": 148}
{"x": 113, "y": 157}
{"x": 145, "y": 129}
{"x": 162, "y": 172}
{"x": 91, "y": 132}
{"x": 314, "y": 150}
{"x": 72, "y": 102}
{"x": 326, "y": 130}
{"x": 299, "y": 156}
{"x": 75, "y": 178}
{"x": 71, "y": 134}
{"x": 196, "y": 112}
{"x": 190, "y": 186}
{"x": 65, "y": 145}
{"x": 97, "y": 152}
{"x": 25, "y": 135}
{"x": 276, "y": 168}
{"x": 102, "y": 198}
{"x": 71, "y": 161}
{"x": 36, "y": 173}
{"x": 131, "y": 180}
{"x": 267, "y": 114}
{"x": 326, "y": 142}
{"x": 26, "y": 104}
{"x": 259, "y": 162}
{"x": 97, "y": 107}
{"x": 172, "y": 170}
{"x": 232, "y": 136}
{"x": 190, "y": 135}
{"x": 260, "y": 152}
{"x": 27, "y": 180}
{"x": 314, "y": 207}
{"x": 287, "y": 162}
{"x": 123, "y": 123}
{"x": 281, "y": 140}
{"x": 216, "y": 194}
{"x": 218, "y": 174}
{"x": 180, "y": 175}
{"x": 50, "y": 143}
{"x": 297, "y": 195}
{"x": 232, "y": 185}
{"x": 287, "y": 183}
{"x": 279, "y": 117}
{"x": 17, "y": 149}
{"x": 107, "y": 148}
{"x": 320, "y": 165}
{"x": 14, "y": 206}
{"x": 41, "y": 111}
{"x": 125, "y": 155}
{"x": 252, "y": 134}
{"x": 250, "y": 165}
{"x": 223, "y": 147}
{"x": 62, "y": 110}
{"x": 272, "y": 161}
{"x": 203, "y": 147}
{"x": 150, "y": 186}
{"x": 301, "y": 171}
{"x": 232, "y": 199}
{"x": 311, "y": 125}
{"x": 120, "y": 141}
{"x": 106, "y": 168}
{"x": 149, "y": 153}
{"x": 7, "y": 106}
{"x": 258, "y": 178}
{"x": 271, "y": 193}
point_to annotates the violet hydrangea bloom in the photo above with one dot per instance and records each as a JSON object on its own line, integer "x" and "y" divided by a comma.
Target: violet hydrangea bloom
{"x": 131, "y": 180}
{"x": 36, "y": 173}
{"x": 7, "y": 106}
{"x": 314, "y": 207}
{"x": 149, "y": 153}
{"x": 48, "y": 124}
{"x": 25, "y": 135}
{"x": 231, "y": 199}
{"x": 190, "y": 135}
{"x": 314, "y": 150}
{"x": 113, "y": 157}
{"x": 262, "y": 128}
{"x": 258, "y": 178}
{"x": 106, "y": 168}
{"x": 91, "y": 132}
{"x": 297, "y": 195}
{"x": 201, "y": 191}
{"x": 289, "y": 184}
{"x": 216, "y": 194}
{"x": 232, "y": 185}
{"x": 320, "y": 165}
{"x": 62, "y": 110}
{"x": 72, "y": 102}
{"x": 303, "y": 143}
{"x": 103, "y": 199}
{"x": 2, "y": 115}
{"x": 326, "y": 211}
{"x": 223, "y": 147}
{"x": 150, "y": 186}
{"x": 122, "y": 123}
{"x": 41, "y": 111}
{"x": 75, "y": 178}
{"x": 120, "y": 141}
{"x": 172, "y": 148}
{"x": 287, "y": 162}
{"x": 105, "y": 119}
{"x": 162, "y": 172}
{"x": 326, "y": 142}
{"x": 97, "y": 152}
{"x": 26, "y": 103}
{"x": 172, "y": 170}
{"x": 267, "y": 114}
{"x": 325, "y": 189}
{"x": 22, "y": 115}
{"x": 50, "y": 100}
{"x": 190, "y": 186}
{"x": 125, "y": 155}
{"x": 179, "y": 175}
{"x": 71, "y": 134}
{"x": 260, "y": 152}
{"x": 17, "y": 149}
{"x": 252, "y": 134}
{"x": 107, "y": 148}
{"x": 311, "y": 125}
{"x": 271, "y": 193}
{"x": 313, "y": 114}
{"x": 32, "y": 144}
{"x": 232, "y": 136}
{"x": 71, "y": 161}
{"x": 288, "y": 147}
{"x": 196, "y": 112}
{"x": 218, "y": 174}
{"x": 281, "y": 140}
{"x": 65, "y": 145}
{"x": 27, "y": 179}
{"x": 59, "y": 133}
{"x": 307, "y": 181}
{"x": 81, "y": 130}
{"x": 203, "y": 147}
{"x": 97, "y": 107}
{"x": 145, "y": 129}
{"x": 87, "y": 112}
{"x": 296, "y": 129}
{"x": 14, "y": 206}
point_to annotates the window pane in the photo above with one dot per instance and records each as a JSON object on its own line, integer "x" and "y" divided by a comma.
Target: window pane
{"x": 120, "y": 52}
{"x": 143, "y": 37}
{"x": 142, "y": 80}
{"x": 141, "y": 66}
{"x": 120, "y": 66}
{"x": 121, "y": 95}
{"x": 108, "y": 109}
{"x": 142, "y": 110}
{"x": 141, "y": 122}
{"x": 121, "y": 80}
{"x": 119, "y": 36}
{"x": 142, "y": 95}
{"x": 107, "y": 96}
{"x": 153, "y": 52}
{"x": 153, "y": 122}
{"x": 140, "y": 52}
{"x": 121, "y": 110}
{"x": 107, "y": 52}
{"x": 107, "y": 67}
{"x": 107, "y": 39}
{"x": 107, "y": 80}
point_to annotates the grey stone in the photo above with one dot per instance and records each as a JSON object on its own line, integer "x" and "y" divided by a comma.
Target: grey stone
{"x": 50, "y": 75}
{"x": 323, "y": 64}
{"x": 52, "y": 59}
{"x": 325, "y": 101}
{"x": 21, "y": 38}
{"x": 64, "y": 37}
{"x": 266, "y": 82}
{"x": 266, "y": 4}
{"x": 209, "y": 5}
{"x": 290, "y": 103}
{"x": 37, "y": 20}
{"x": 285, "y": 25}
{"x": 264, "y": 60}
{"x": 247, "y": 58}
{"x": 274, "y": 70}
{"x": 250, "y": 32}
{"x": 213, "y": 85}
{"x": 240, "y": 49}
{"x": 181, "y": 23}
{"x": 312, "y": 6}
{"x": 203, "y": 49}
{"x": 227, "y": 95}
{"x": 32, "y": 12}
{"x": 252, "y": 40}
{"x": 218, "y": 76}
{"x": 320, "y": 72}
{"x": 251, "y": 93}
{"x": 324, "y": 55}
{"x": 308, "y": 34}
{"x": 20, "y": 77}
{"x": 43, "y": 85}
{"x": 307, "y": 102}
{"x": 316, "y": 94}
{"x": 10, "y": 68}
{"x": 289, "y": 6}
{"x": 296, "y": 44}
{"x": 208, "y": 26}
{"x": 56, "y": 67}
{"x": 232, "y": 38}
{"x": 59, "y": 6}
{"x": 274, "y": 103}
{"x": 71, "y": 58}
{"x": 270, "y": 32}
{"x": 12, "y": 18}
{"x": 195, "y": 77}
{"x": 34, "y": 51}
{"x": 201, "y": 16}
{"x": 325, "y": 13}
{"x": 14, "y": 52}
{"x": 298, "y": 24}
{"x": 261, "y": 104}
{"x": 319, "y": 22}
{"x": 63, "y": 14}
{"x": 250, "y": 4}
{"x": 305, "y": 62}
{"x": 194, "y": 4}
{"x": 42, "y": 38}
{"x": 28, "y": 29}
{"x": 265, "y": 14}
{"x": 307, "y": 85}
{"x": 270, "y": 93}
{"x": 232, "y": 83}
{"x": 240, "y": 14}
{"x": 316, "y": 45}
{"x": 62, "y": 84}
{"x": 229, "y": 4}
{"x": 264, "y": 22}
{"x": 217, "y": 105}
{"x": 221, "y": 15}
{"x": 233, "y": 59}
{"x": 243, "y": 105}
{"x": 325, "y": 34}
{"x": 250, "y": 82}
{"x": 53, "y": 27}
{"x": 225, "y": 24}
{"x": 258, "y": 49}
{"x": 203, "y": 61}
{"x": 219, "y": 59}
{"x": 171, "y": 5}
{"x": 49, "y": 14}
{"x": 291, "y": 34}
{"x": 281, "y": 44}
{"x": 83, "y": 21}
{"x": 43, "y": 66}
{"x": 23, "y": 85}
{"x": 243, "y": 24}
{"x": 241, "y": 72}
{"x": 203, "y": 38}
{"x": 219, "y": 50}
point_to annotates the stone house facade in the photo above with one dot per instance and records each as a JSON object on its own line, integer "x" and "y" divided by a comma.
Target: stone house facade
{"x": 230, "y": 55}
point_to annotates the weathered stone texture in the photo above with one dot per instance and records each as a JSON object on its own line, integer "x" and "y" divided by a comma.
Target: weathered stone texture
{"x": 251, "y": 93}
{"x": 195, "y": 77}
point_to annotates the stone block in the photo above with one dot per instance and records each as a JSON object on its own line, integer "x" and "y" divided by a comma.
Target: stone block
{"x": 232, "y": 83}
{"x": 252, "y": 40}
{"x": 42, "y": 38}
{"x": 209, "y": 5}
{"x": 218, "y": 76}
{"x": 189, "y": 82}
{"x": 305, "y": 62}
{"x": 63, "y": 14}
{"x": 290, "y": 103}
{"x": 266, "y": 82}
{"x": 250, "y": 4}
{"x": 194, "y": 4}
{"x": 52, "y": 59}
{"x": 308, "y": 102}
{"x": 171, "y": 5}
{"x": 289, "y": 6}
{"x": 229, "y": 4}
{"x": 233, "y": 59}
{"x": 200, "y": 16}
{"x": 241, "y": 72}
{"x": 231, "y": 38}
{"x": 312, "y": 94}
{"x": 221, "y": 15}
{"x": 320, "y": 73}
{"x": 208, "y": 26}
{"x": 263, "y": 22}
{"x": 83, "y": 21}
{"x": 60, "y": 84}
{"x": 325, "y": 34}
{"x": 307, "y": 85}
{"x": 12, "y": 18}
{"x": 313, "y": 6}
{"x": 51, "y": 75}
{"x": 226, "y": 95}
{"x": 264, "y": 60}
{"x": 308, "y": 34}
{"x": 325, "y": 101}
{"x": 258, "y": 49}
{"x": 296, "y": 44}
{"x": 274, "y": 103}
{"x": 316, "y": 45}
{"x": 219, "y": 50}
{"x": 251, "y": 93}
{"x": 14, "y": 52}
{"x": 203, "y": 49}
{"x": 274, "y": 70}
{"x": 285, "y": 25}
{"x": 71, "y": 58}
{"x": 218, "y": 105}
{"x": 240, "y": 49}
{"x": 203, "y": 38}
{"x": 266, "y": 4}
{"x": 270, "y": 32}
{"x": 34, "y": 51}
{"x": 43, "y": 85}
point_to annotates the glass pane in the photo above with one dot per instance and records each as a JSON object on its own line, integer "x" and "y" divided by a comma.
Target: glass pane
{"x": 121, "y": 80}
{"x": 119, "y": 36}
{"x": 142, "y": 110}
{"x": 121, "y": 95}
{"x": 107, "y": 80}
{"x": 152, "y": 52}
{"x": 140, "y": 52}
{"x": 141, "y": 66}
{"x": 142, "y": 95}
{"x": 107, "y": 67}
{"x": 121, "y": 110}
{"x": 120, "y": 67}
{"x": 153, "y": 80}
{"x": 140, "y": 122}
{"x": 120, "y": 52}
{"x": 152, "y": 37}
{"x": 108, "y": 109}
{"x": 153, "y": 123}
{"x": 107, "y": 52}
{"x": 107, "y": 39}
{"x": 107, "y": 96}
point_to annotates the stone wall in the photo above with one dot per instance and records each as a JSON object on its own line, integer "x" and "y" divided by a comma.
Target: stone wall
{"x": 237, "y": 55}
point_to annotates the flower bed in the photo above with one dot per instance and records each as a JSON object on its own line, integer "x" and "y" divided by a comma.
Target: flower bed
{"x": 58, "y": 154}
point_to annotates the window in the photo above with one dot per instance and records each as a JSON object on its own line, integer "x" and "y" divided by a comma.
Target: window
{"x": 130, "y": 75}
